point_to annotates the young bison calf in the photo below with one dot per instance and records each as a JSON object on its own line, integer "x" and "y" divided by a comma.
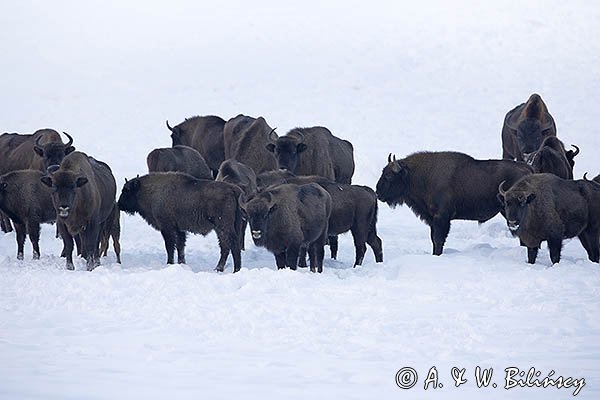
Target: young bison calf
{"x": 175, "y": 203}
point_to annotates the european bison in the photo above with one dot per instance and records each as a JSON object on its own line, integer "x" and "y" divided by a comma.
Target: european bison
{"x": 205, "y": 134}
{"x": 552, "y": 158}
{"x": 314, "y": 151}
{"x": 83, "y": 194}
{"x": 36, "y": 151}
{"x": 111, "y": 228}
{"x": 179, "y": 159}
{"x": 246, "y": 139}
{"x": 443, "y": 186}
{"x": 175, "y": 203}
{"x": 544, "y": 207}
{"x": 288, "y": 218}
{"x": 25, "y": 200}
{"x": 353, "y": 208}
{"x": 525, "y": 127}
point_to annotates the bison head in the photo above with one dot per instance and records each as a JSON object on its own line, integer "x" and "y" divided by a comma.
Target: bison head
{"x": 286, "y": 149}
{"x": 65, "y": 186}
{"x": 53, "y": 153}
{"x": 571, "y": 155}
{"x": 516, "y": 203}
{"x": 392, "y": 187}
{"x": 177, "y": 135}
{"x": 128, "y": 199}
{"x": 529, "y": 134}
{"x": 257, "y": 211}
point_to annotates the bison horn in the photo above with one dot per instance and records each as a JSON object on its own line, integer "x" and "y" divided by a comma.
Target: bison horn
{"x": 300, "y": 136}
{"x": 169, "y": 126}
{"x": 273, "y": 136}
{"x": 52, "y": 169}
{"x": 500, "y": 190}
{"x": 70, "y": 142}
{"x": 585, "y": 177}
{"x": 576, "y": 150}
{"x": 390, "y": 158}
{"x": 37, "y": 141}
{"x": 271, "y": 202}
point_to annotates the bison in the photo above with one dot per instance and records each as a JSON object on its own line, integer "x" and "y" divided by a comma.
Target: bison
{"x": 83, "y": 194}
{"x": 205, "y": 134}
{"x": 525, "y": 127}
{"x": 175, "y": 203}
{"x": 289, "y": 218}
{"x": 111, "y": 228}
{"x": 443, "y": 186}
{"x": 544, "y": 207}
{"x": 179, "y": 159}
{"x": 246, "y": 139}
{"x": 353, "y": 208}
{"x": 314, "y": 151}
{"x": 552, "y": 158}
{"x": 25, "y": 200}
{"x": 36, "y": 151}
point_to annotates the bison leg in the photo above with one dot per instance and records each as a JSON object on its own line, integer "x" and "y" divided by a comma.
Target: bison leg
{"x": 169, "y": 238}
{"x": 291, "y": 256}
{"x": 317, "y": 253}
{"x": 439, "y": 232}
{"x": 236, "y": 252}
{"x": 333, "y": 246}
{"x": 532, "y": 253}
{"x": 67, "y": 245}
{"x": 180, "y": 244}
{"x": 21, "y": 234}
{"x": 280, "y": 260}
{"x": 116, "y": 236}
{"x": 590, "y": 241}
{"x": 555, "y": 246}
{"x": 5, "y": 224}
{"x": 33, "y": 229}
{"x": 91, "y": 239}
{"x": 375, "y": 242}
{"x": 360, "y": 238}
{"x": 302, "y": 258}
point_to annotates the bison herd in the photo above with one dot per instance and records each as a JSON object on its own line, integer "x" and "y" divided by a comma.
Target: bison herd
{"x": 294, "y": 191}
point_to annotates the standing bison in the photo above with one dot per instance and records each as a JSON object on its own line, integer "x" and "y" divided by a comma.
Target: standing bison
{"x": 443, "y": 186}
{"x": 28, "y": 203}
{"x": 524, "y": 129}
{"x": 544, "y": 207}
{"x": 36, "y": 151}
{"x": 205, "y": 134}
{"x": 552, "y": 158}
{"x": 314, "y": 151}
{"x": 246, "y": 139}
{"x": 83, "y": 194}
{"x": 175, "y": 203}
{"x": 289, "y": 218}
{"x": 178, "y": 159}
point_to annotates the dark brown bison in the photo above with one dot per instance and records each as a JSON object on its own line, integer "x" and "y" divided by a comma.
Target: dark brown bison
{"x": 28, "y": 203}
{"x": 175, "y": 203}
{"x": 205, "y": 134}
{"x": 179, "y": 159}
{"x": 525, "y": 127}
{"x": 83, "y": 194}
{"x": 353, "y": 208}
{"x": 314, "y": 151}
{"x": 36, "y": 151}
{"x": 246, "y": 139}
{"x": 440, "y": 187}
{"x": 111, "y": 228}
{"x": 288, "y": 218}
{"x": 552, "y": 158}
{"x": 544, "y": 207}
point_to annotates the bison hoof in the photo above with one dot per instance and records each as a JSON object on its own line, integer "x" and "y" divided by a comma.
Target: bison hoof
{"x": 70, "y": 267}
{"x": 220, "y": 269}
{"x": 36, "y": 255}
{"x": 19, "y": 256}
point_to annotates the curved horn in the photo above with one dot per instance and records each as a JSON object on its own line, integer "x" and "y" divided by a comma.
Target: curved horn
{"x": 585, "y": 178}
{"x": 300, "y": 136}
{"x": 394, "y": 158}
{"x": 576, "y": 150}
{"x": 273, "y": 136}
{"x": 52, "y": 169}
{"x": 390, "y": 158}
{"x": 271, "y": 202}
{"x": 37, "y": 141}
{"x": 70, "y": 142}
{"x": 500, "y": 190}
{"x": 169, "y": 126}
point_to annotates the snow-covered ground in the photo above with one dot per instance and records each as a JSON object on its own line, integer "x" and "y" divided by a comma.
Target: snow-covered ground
{"x": 389, "y": 76}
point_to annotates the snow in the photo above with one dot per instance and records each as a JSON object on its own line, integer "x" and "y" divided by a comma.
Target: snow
{"x": 398, "y": 78}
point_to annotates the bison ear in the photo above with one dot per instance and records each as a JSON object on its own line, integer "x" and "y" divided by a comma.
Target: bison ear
{"x": 46, "y": 180}
{"x": 82, "y": 180}
{"x": 301, "y": 147}
{"x": 3, "y": 185}
{"x": 39, "y": 151}
{"x": 69, "y": 149}
{"x": 530, "y": 198}
{"x": 270, "y": 147}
